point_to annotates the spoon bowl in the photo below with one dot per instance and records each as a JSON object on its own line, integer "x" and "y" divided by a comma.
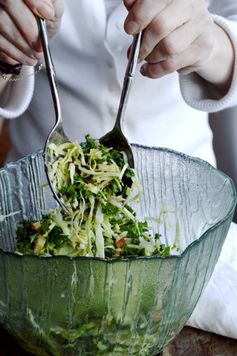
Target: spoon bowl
{"x": 115, "y": 138}
{"x": 57, "y": 136}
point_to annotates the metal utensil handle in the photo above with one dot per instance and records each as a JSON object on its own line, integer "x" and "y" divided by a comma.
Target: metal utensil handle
{"x": 50, "y": 69}
{"x": 130, "y": 71}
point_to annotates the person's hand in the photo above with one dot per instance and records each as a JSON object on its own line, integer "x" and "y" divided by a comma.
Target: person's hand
{"x": 19, "y": 37}
{"x": 179, "y": 35}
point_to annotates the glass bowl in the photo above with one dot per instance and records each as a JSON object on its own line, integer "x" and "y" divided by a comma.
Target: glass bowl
{"x": 90, "y": 306}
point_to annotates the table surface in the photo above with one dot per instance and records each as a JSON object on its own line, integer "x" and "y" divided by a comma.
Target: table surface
{"x": 190, "y": 342}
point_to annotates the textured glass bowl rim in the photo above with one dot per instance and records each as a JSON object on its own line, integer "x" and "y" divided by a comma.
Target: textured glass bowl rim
{"x": 197, "y": 160}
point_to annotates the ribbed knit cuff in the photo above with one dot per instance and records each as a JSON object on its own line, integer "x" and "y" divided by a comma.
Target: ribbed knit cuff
{"x": 18, "y": 95}
{"x": 201, "y": 95}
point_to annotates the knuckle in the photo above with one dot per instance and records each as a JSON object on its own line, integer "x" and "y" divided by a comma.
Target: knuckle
{"x": 160, "y": 26}
{"x": 168, "y": 66}
{"x": 152, "y": 72}
{"x": 53, "y": 28}
{"x": 140, "y": 17}
{"x": 146, "y": 44}
{"x": 22, "y": 58}
{"x": 144, "y": 50}
{"x": 157, "y": 70}
{"x": 208, "y": 41}
{"x": 153, "y": 75}
{"x": 169, "y": 47}
{"x": 151, "y": 59}
{"x": 204, "y": 44}
{"x": 155, "y": 56}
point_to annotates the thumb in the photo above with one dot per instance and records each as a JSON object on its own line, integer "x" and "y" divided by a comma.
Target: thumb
{"x": 41, "y": 8}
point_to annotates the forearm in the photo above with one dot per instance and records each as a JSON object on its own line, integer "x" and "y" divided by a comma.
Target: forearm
{"x": 218, "y": 68}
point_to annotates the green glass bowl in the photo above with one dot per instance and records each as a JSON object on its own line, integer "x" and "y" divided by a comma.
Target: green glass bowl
{"x": 90, "y": 306}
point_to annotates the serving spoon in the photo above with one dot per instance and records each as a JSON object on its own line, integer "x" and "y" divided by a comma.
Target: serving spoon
{"x": 115, "y": 138}
{"x": 57, "y": 135}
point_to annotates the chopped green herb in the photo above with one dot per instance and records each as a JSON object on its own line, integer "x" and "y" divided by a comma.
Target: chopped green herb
{"x": 94, "y": 182}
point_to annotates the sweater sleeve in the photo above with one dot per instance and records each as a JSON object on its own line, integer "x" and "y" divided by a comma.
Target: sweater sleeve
{"x": 201, "y": 95}
{"x": 17, "y": 95}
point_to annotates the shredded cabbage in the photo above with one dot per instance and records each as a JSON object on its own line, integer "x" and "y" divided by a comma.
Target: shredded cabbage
{"x": 97, "y": 187}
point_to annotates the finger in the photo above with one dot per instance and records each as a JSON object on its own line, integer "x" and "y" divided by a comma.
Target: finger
{"x": 58, "y": 8}
{"x": 11, "y": 33}
{"x": 163, "y": 24}
{"x": 6, "y": 59}
{"x": 142, "y": 13}
{"x": 54, "y": 24}
{"x": 14, "y": 53}
{"x": 187, "y": 61}
{"x": 42, "y": 8}
{"x": 25, "y": 23}
{"x": 174, "y": 43}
